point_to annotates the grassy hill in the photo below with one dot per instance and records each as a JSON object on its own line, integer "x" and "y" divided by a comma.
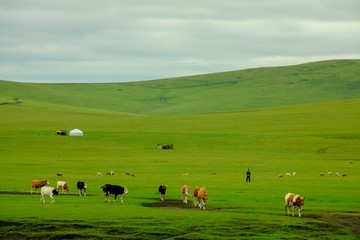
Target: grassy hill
{"x": 218, "y": 92}
{"x": 302, "y": 119}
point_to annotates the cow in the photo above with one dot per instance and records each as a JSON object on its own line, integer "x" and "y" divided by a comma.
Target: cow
{"x": 59, "y": 174}
{"x": 116, "y": 190}
{"x": 49, "y": 191}
{"x": 202, "y": 197}
{"x": 38, "y": 184}
{"x": 63, "y": 186}
{"x": 293, "y": 201}
{"x": 195, "y": 195}
{"x": 162, "y": 191}
{"x": 81, "y": 187}
{"x": 185, "y": 193}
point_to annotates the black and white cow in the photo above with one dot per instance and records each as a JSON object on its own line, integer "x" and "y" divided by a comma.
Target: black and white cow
{"x": 162, "y": 191}
{"x": 116, "y": 190}
{"x": 81, "y": 187}
{"x": 48, "y": 191}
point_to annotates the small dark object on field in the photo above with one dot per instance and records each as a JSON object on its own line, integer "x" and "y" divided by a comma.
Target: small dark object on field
{"x": 61, "y": 132}
{"x": 165, "y": 146}
{"x": 59, "y": 174}
{"x": 344, "y": 175}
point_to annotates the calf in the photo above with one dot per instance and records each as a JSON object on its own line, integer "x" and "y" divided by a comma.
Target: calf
{"x": 63, "y": 186}
{"x": 38, "y": 184}
{"x": 293, "y": 201}
{"x": 116, "y": 190}
{"x": 49, "y": 191}
{"x": 162, "y": 191}
{"x": 81, "y": 187}
{"x": 185, "y": 192}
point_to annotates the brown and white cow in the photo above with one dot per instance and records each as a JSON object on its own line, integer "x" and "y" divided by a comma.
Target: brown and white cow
{"x": 63, "y": 186}
{"x": 200, "y": 197}
{"x": 195, "y": 195}
{"x": 38, "y": 184}
{"x": 185, "y": 193}
{"x": 293, "y": 201}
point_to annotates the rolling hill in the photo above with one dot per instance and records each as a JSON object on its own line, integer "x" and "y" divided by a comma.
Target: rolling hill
{"x": 219, "y": 92}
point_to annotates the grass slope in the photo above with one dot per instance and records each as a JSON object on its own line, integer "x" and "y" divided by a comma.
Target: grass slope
{"x": 316, "y": 134}
{"x": 228, "y": 91}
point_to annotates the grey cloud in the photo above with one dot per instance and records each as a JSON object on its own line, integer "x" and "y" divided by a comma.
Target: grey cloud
{"x": 95, "y": 41}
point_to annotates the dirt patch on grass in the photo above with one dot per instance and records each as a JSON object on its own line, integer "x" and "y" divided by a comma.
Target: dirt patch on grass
{"x": 351, "y": 221}
{"x": 36, "y": 193}
{"x": 174, "y": 203}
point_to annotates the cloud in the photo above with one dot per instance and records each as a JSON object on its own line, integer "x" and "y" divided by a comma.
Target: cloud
{"x": 114, "y": 41}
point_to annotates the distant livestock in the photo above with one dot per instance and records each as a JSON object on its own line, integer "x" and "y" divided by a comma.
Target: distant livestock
{"x": 116, "y": 190}
{"x": 293, "y": 201}
{"x": 162, "y": 191}
{"x": 185, "y": 193}
{"x": 81, "y": 187}
{"x": 200, "y": 197}
{"x": 165, "y": 146}
{"x": 59, "y": 174}
{"x": 63, "y": 186}
{"x": 99, "y": 173}
{"x": 48, "y": 191}
{"x": 111, "y": 173}
{"x": 38, "y": 184}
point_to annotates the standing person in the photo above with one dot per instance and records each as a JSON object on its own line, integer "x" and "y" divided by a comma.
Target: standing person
{"x": 248, "y": 174}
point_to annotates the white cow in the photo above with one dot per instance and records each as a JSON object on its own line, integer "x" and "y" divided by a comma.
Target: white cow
{"x": 49, "y": 191}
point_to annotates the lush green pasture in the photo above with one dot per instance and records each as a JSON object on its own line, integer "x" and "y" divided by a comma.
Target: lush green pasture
{"x": 212, "y": 150}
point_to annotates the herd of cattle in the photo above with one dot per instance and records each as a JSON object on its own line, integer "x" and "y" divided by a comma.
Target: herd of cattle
{"x": 292, "y": 201}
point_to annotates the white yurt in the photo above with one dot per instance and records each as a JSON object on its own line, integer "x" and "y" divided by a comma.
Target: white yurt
{"x": 76, "y": 132}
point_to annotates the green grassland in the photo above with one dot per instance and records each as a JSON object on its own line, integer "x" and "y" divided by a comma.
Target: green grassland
{"x": 302, "y": 119}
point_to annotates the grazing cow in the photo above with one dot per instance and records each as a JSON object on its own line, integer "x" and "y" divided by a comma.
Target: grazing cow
{"x": 111, "y": 173}
{"x": 202, "y": 197}
{"x": 195, "y": 194}
{"x": 59, "y": 174}
{"x": 81, "y": 187}
{"x": 162, "y": 191}
{"x": 289, "y": 174}
{"x": 293, "y": 201}
{"x": 116, "y": 190}
{"x": 38, "y": 184}
{"x": 99, "y": 173}
{"x": 321, "y": 174}
{"x": 49, "y": 191}
{"x": 280, "y": 175}
{"x": 63, "y": 186}
{"x": 343, "y": 175}
{"x": 185, "y": 193}
{"x": 329, "y": 173}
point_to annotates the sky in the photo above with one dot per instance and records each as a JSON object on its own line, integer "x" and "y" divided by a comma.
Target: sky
{"x": 47, "y": 41}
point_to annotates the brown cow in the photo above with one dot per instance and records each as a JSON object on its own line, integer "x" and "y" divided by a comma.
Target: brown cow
{"x": 293, "y": 201}
{"x": 185, "y": 192}
{"x": 38, "y": 184}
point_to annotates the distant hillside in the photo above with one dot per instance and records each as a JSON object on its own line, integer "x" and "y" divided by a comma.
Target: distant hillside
{"x": 218, "y": 92}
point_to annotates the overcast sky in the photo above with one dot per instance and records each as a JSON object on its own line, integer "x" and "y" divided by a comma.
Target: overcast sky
{"x": 131, "y": 40}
